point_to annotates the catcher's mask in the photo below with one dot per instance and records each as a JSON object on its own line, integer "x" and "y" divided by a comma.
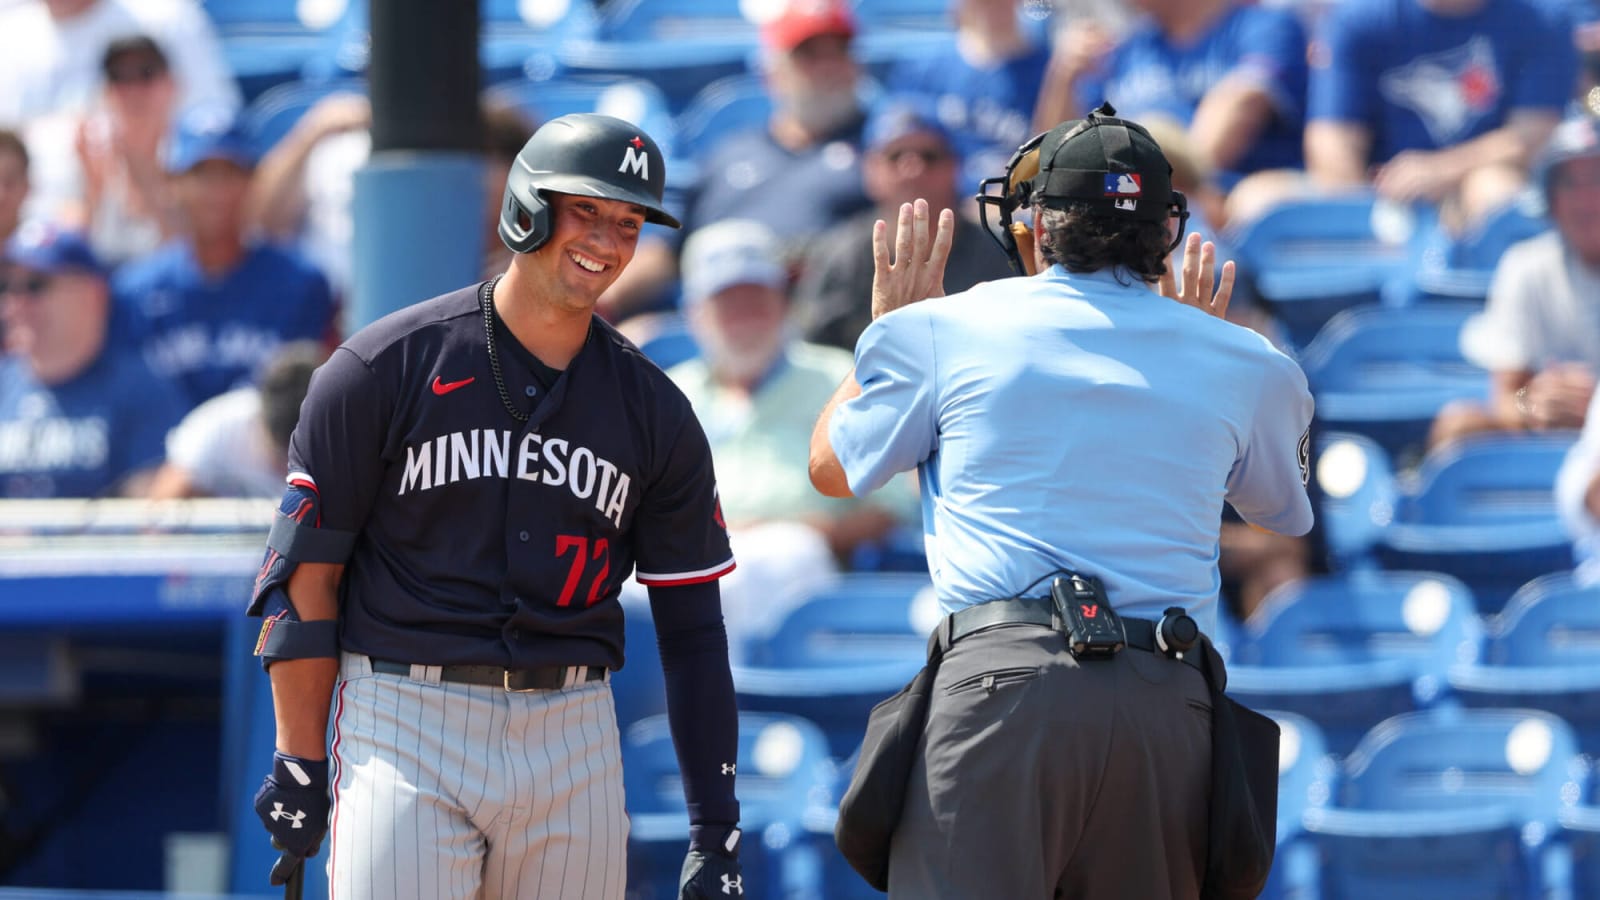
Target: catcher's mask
{"x": 1110, "y": 166}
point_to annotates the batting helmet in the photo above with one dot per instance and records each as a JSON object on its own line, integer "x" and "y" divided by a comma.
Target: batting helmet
{"x": 584, "y": 154}
{"x": 1111, "y": 166}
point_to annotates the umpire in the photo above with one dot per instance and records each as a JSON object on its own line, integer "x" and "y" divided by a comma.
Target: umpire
{"x": 1076, "y": 432}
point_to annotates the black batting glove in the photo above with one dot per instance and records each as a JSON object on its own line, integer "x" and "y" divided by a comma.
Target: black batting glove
{"x": 713, "y": 872}
{"x": 293, "y": 804}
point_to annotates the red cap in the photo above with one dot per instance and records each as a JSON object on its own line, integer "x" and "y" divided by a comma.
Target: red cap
{"x": 802, "y": 20}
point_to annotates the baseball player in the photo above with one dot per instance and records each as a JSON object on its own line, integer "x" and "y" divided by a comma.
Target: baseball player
{"x": 1076, "y": 435}
{"x": 471, "y": 480}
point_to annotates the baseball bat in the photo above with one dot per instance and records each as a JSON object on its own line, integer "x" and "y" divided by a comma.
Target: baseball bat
{"x": 296, "y": 883}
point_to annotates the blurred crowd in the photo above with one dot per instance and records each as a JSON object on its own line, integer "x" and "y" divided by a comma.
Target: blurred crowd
{"x": 169, "y": 283}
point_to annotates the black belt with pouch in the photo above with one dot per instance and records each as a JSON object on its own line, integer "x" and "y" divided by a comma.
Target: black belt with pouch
{"x": 1244, "y": 743}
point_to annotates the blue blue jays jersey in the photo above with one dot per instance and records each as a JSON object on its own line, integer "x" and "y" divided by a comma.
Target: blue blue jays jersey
{"x": 1078, "y": 421}
{"x": 485, "y": 540}
{"x": 1263, "y": 47}
{"x": 211, "y": 336}
{"x": 1420, "y": 80}
{"x": 82, "y": 437}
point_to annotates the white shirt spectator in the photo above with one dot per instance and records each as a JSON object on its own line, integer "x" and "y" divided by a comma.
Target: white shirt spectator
{"x": 1544, "y": 308}
{"x": 223, "y": 447}
{"x": 52, "y": 67}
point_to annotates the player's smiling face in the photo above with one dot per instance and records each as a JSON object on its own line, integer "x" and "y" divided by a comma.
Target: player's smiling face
{"x": 592, "y": 241}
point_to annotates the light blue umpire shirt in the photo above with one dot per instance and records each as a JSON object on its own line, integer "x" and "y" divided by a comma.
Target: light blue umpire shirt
{"x": 1078, "y": 421}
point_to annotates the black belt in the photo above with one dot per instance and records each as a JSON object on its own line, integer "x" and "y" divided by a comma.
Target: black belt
{"x": 542, "y": 678}
{"x": 1141, "y": 633}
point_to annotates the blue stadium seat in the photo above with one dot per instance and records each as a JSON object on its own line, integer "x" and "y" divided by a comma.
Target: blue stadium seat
{"x": 847, "y": 646}
{"x": 1357, "y": 482}
{"x": 681, "y": 46}
{"x": 1311, "y": 258}
{"x": 1449, "y": 803}
{"x": 1483, "y": 509}
{"x": 1385, "y": 372}
{"x": 1349, "y": 650}
{"x": 783, "y": 766}
{"x": 269, "y": 42}
{"x": 1305, "y": 781}
{"x": 270, "y": 116}
{"x": 726, "y": 106}
{"x": 1543, "y": 652}
{"x": 1461, "y": 268}
{"x": 630, "y": 99}
{"x": 879, "y": 15}
{"x": 638, "y": 689}
{"x": 521, "y": 36}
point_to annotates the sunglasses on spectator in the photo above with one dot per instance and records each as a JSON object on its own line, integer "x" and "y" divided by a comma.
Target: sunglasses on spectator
{"x": 32, "y": 285}
{"x": 135, "y": 73}
{"x": 928, "y": 155}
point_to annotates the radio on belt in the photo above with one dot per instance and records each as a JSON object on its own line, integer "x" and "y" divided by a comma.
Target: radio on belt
{"x": 1094, "y": 631}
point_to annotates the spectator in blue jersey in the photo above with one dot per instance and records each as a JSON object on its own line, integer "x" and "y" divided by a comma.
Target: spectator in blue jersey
{"x": 79, "y": 416}
{"x": 908, "y": 154}
{"x": 209, "y": 309}
{"x": 1233, "y": 73}
{"x": 1437, "y": 101}
{"x": 984, "y": 83}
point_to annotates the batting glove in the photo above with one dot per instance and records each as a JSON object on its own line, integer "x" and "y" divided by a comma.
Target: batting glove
{"x": 713, "y": 874}
{"x": 293, "y": 804}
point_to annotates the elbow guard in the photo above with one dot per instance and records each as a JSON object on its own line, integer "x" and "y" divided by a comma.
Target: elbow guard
{"x": 296, "y": 537}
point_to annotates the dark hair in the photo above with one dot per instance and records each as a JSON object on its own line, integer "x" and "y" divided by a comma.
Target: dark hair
{"x": 11, "y": 142}
{"x": 283, "y": 384}
{"x": 1086, "y": 241}
{"x": 140, "y": 45}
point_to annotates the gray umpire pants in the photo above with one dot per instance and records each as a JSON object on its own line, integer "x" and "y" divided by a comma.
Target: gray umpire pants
{"x": 1042, "y": 777}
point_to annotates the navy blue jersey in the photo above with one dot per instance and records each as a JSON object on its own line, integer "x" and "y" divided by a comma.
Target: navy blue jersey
{"x": 485, "y": 540}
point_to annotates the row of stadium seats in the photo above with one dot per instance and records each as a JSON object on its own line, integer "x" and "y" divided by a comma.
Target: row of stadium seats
{"x": 679, "y": 46}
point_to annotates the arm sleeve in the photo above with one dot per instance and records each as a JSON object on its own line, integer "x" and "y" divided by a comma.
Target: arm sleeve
{"x": 701, "y": 710}
{"x": 1548, "y": 74}
{"x": 679, "y": 535}
{"x": 1272, "y": 58}
{"x": 1343, "y": 83}
{"x": 892, "y": 426}
{"x": 339, "y": 440}
{"x": 1577, "y": 470}
{"x": 1267, "y": 486}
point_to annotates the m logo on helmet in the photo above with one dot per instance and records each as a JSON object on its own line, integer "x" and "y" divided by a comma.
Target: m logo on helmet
{"x": 636, "y": 160}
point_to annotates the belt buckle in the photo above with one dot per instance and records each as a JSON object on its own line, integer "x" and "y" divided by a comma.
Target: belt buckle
{"x": 505, "y": 680}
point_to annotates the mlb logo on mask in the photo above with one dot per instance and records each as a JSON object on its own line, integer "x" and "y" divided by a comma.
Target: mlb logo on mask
{"x": 1122, "y": 185}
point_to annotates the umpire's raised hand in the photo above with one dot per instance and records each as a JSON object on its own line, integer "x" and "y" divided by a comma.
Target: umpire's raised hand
{"x": 293, "y": 804}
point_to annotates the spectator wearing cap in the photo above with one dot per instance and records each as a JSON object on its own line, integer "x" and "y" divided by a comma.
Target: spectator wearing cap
{"x": 1539, "y": 334}
{"x": 1437, "y": 101}
{"x": 209, "y": 308}
{"x": 756, "y": 389}
{"x": 1234, "y": 73}
{"x": 983, "y": 84}
{"x": 13, "y": 182}
{"x": 908, "y": 153}
{"x": 80, "y": 416}
{"x": 237, "y": 444}
{"x": 51, "y": 52}
{"x": 798, "y": 174}
{"x": 808, "y": 153}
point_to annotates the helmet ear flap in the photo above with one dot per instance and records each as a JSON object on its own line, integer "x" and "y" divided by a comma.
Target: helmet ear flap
{"x": 524, "y": 225}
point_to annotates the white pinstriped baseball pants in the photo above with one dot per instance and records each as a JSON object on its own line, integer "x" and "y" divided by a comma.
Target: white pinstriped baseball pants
{"x": 467, "y": 791}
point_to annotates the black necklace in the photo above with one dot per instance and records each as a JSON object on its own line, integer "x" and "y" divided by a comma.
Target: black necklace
{"x": 486, "y": 302}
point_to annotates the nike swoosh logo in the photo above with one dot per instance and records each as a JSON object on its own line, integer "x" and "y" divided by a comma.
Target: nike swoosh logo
{"x": 444, "y": 387}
